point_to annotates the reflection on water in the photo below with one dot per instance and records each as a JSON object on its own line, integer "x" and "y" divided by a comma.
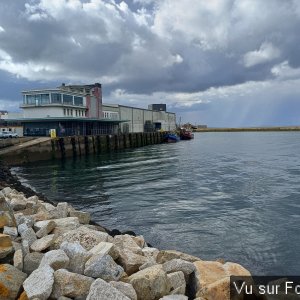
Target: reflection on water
{"x": 223, "y": 195}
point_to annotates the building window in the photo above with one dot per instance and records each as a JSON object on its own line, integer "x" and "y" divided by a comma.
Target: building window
{"x": 71, "y": 112}
{"x": 45, "y": 99}
{"x": 78, "y": 101}
{"x": 64, "y": 111}
{"x": 32, "y": 99}
{"x": 67, "y": 99}
{"x": 55, "y": 98}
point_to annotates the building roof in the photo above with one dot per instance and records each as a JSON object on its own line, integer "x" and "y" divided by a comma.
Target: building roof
{"x": 51, "y": 119}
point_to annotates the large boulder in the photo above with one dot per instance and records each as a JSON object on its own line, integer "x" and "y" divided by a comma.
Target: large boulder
{"x": 63, "y": 223}
{"x": 104, "y": 267}
{"x": 83, "y": 217}
{"x": 125, "y": 288}
{"x": 43, "y": 243}
{"x": 88, "y": 238}
{"x": 151, "y": 283}
{"x": 39, "y": 283}
{"x": 6, "y": 214}
{"x": 78, "y": 256}
{"x": 70, "y": 284}
{"x": 150, "y": 252}
{"x": 105, "y": 248}
{"x": 130, "y": 261}
{"x": 6, "y": 246}
{"x": 11, "y": 280}
{"x": 101, "y": 290}
{"x": 177, "y": 282}
{"x": 46, "y": 229}
{"x": 32, "y": 261}
{"x": 56, "y": 259}
{"x": 28, "y": 235}
{"x": 166, "y": 255}
{"x": 127, "y": 242}
{"x": 12, "y": 231}
{"x": 176, "y": 265}
{"x": 18, "y": 259}
{"x": 18, "y": 202}
{"x": 213, "y": 278}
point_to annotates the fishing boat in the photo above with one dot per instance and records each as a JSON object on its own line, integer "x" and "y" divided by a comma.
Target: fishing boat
{"x": 171, "y": 138}
{"x": 186, "y": 134}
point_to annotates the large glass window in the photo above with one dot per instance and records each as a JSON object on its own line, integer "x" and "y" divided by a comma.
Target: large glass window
{"x": 33, "y": 99}
{"x": 67, "y": 99}
{"x": 45, "y": 99}
{"x": 55, "y": 98}
{"x": 78, "y": 101}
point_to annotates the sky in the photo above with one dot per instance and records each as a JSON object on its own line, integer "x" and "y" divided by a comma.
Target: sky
{"x": 224, "y": 63}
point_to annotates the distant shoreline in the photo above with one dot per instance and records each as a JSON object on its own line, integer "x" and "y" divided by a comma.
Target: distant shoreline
{"x": 245, "y": 129}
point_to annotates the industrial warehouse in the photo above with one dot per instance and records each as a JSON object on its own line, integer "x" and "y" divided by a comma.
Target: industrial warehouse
{"x": 78, "y": 110}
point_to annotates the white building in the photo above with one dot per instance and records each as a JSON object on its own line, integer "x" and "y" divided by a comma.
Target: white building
{"x": 78, "y": 110}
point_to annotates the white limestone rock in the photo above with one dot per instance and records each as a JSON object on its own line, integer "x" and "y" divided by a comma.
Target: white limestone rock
{"x": 56, "y": 259}
{"x": 101, "y": 290}
{"x": 39, "y": 284}
{"x": 103, "y": 267}
{"x": 125, "y": 288}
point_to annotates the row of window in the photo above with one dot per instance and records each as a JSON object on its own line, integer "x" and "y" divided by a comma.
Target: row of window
{"x": 111, "y": 115}
{"x": 74, "y": 112}
{"x": 41, "y": 99}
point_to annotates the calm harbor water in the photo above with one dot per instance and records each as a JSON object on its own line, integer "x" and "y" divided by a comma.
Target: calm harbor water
{"x": 223, "y": 195}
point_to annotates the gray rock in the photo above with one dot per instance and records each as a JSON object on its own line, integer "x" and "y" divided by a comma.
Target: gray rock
{"x": 22, "y": 228}
{"x": 46, "y": 229}
{"x": 39, "y": 283}
{"x": 88, "y": 238}
{"x": 27, "y": 220}
{"x": 56, "y": 259}
{"x": 175, "y": 265}
{"x": 127, "y": 242}
{"x": 18, "y": 203}
{"x": 101, "y": 290}
{"x": 43, "y": 243}
{"x": 16, "y": 245}
{"x": 29, "y": 235}
{"x": 103, "y": 267}
{"x": 70, "y": 284}
{"x": 166, "y": 255}
{"x": 105, "y": 248}
{"x": 83, "y": 217}
{"x": 25, "y": 247}
{"x": 150, "y": 252}
{"x": 151, "y": 262}
{"x": 151, "y": 283}
{"x": 32, "y": 261}
{"x": 62, "y": 208}
{"x": 67, "y": 223}
{"x": 177, "y": 282}
{"x": 125, "y": 288}
{"x": 174, "y": 297}
{"x": 78, "y": 256}
{"x": 11, "y": 280}
{"x": 130, "y": 261}
{"x": 18, "y": 259}
{"x": 12, "y": 231}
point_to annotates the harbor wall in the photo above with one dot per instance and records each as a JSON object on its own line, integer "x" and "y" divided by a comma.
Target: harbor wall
{"x": 76, "y": 146}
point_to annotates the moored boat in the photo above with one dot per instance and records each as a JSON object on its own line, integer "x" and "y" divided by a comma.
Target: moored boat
{"x": 171, "y": 138}
{"x": 186, "y": 134}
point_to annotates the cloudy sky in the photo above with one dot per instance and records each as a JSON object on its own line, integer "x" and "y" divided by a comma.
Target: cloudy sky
{"x": 215, "y": 62}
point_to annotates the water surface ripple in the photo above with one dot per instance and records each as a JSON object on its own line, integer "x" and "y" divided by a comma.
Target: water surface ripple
{"x": 223, "y": 195}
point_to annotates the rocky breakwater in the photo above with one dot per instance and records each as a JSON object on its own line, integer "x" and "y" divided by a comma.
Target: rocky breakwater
{"x": 53, "y": 252}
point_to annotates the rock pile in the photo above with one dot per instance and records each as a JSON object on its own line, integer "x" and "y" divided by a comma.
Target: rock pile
{"x": 53, "y": 252}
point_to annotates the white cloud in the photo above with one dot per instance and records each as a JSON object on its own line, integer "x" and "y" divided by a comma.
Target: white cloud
{"x": 2, "y": 29}
{"x": 285, "y": 71}
{"x": 267, "y": 52}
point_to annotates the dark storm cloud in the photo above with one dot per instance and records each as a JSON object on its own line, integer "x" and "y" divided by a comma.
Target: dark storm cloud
{"x": 144, "y": 47}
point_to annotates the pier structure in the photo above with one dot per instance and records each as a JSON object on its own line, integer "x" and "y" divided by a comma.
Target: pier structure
{"x": 45, "y": 148}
